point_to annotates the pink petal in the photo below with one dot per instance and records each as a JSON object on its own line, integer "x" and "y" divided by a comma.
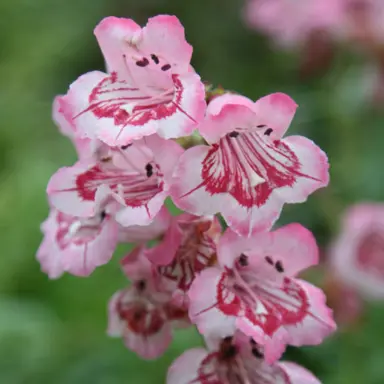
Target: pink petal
{"x": 151, "y": 347}
{"x": 114, "y": 35}
{"x": 164, "y": 35}
{"x": 62, "y": 116}
{"x": 188, "y": 191}
{"x": 141, "y": 215}
{"x": 185, "y": 369}
{"x": 294, "y": 246}
{"x": 136, "y": 265}
{"x": 115, "y": 324}
{"x": 298, "y": 374}
{"x": 142, "y": 234}
{"x": 65, "y": 195}
{"x": 276, "y": 111}
{"x": 317, "y": 324}
{"x": 78, "y": 95}
{"x": 49, "y": 259}
{"x": 313, "y": 164}
{"x": 203, "y": 309}
{"x": 188, "y": 107}
{"x": 247, "y": 222}
{"x": 83, "y": 260}
{"x": 225, "y": 114}
{"x": 164, "y": 252}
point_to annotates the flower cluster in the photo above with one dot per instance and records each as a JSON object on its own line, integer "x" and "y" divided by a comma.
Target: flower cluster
{"x": 239, "y": 286}
{"x": 316, "y": 26}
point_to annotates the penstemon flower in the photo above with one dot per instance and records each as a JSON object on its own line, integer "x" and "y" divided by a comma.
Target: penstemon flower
{"x": 236, "y": 359}
{"x": 188, "y": 247}
{"x": 143, "y": 133}
{"x": 143, "y": 314}
{"x": 138, "y": 177}
{"x": 76, "y": 244}
{"x": 249, "y": 170}
{"x": 255, "y": 289}
{"x": 150, "y": 88}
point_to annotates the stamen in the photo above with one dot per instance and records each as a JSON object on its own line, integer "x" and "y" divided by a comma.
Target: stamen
{"x": 279, "y": 267}
{"x": 268, "y": 131}
{"x": 149, "y": 169}
{"x": 155, "y": 58}
{"x": 166, "y": 67}
{"x": 142, "y": 63}
{"x": 141, "y": 285}
{"x": 269, "y": 260}
{"x": 103, "y": 215}
{"x": 261, "y": 126}
{"x": 257, "y": 353}
{"x": 243, "y": 260}
{"x": 123, "y": 147}
{"x": 227, "y": 349}
{"x": 234, "y": 134}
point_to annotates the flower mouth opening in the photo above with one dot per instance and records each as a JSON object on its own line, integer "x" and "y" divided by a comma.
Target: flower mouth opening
{"x": 196, "y": 252}
{"x": 73, "y": 230}
{"x": 141, "y": 316}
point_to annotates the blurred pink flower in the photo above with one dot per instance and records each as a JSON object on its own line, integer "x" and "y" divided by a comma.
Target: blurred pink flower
{"x": 357, "y": 255}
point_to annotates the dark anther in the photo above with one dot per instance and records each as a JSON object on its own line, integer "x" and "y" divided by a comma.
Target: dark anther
{"x": 166, "y": 67}
{"x": 243, "y": 260}
{"x": 149, "y": 169}
{"x": 123, "y": 147}
{"x": 269, "y": 260}
{"x": 155, "y": 58}
{"x": 253, "y": 342}
{"x": 143, "y": 62}
{"x": 268, "y": 131}
{"x": 227, "y": 349}
{"x": 261, "y": 126}
{"x": 234, "y": 134}
{"x": 103, "y": 215}
{"x": 257, "y": 353}
{"x": 140, "y": 285}
{"x": 138, "y": 315}
{"x": 279, "y": 267}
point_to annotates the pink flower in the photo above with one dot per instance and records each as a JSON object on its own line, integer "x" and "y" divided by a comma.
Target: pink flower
{"x": 136, "y": 177}
{"x": 234, "y": 360}
{"x": 290, "y": 23}
{"x": 248, "y": 171}
{"x": 255, "y": 290}
{"x": 76, "y": 245}
{"x": 357, "y": 256}
{"x": 151, "y": 87}
{"x": 144, "y": 233}
{"x": 143, "y": 315}
{"x": 188, "y": 247}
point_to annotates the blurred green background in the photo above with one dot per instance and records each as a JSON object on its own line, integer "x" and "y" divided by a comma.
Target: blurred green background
{"x": 54, "y": 331}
